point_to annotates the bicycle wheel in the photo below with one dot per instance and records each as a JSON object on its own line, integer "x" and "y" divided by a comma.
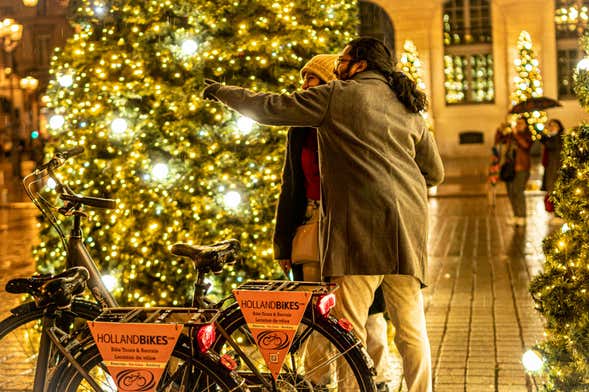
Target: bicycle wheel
{"x": 323, "y": 355}
{"x": 206, "y": 373}
{"x": 20, "y": 334}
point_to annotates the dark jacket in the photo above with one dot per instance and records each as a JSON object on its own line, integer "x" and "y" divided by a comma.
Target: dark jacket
{"x": 552, "y": 149}
{"x": 376, "y": 160}
{"x": 292, "y": 201}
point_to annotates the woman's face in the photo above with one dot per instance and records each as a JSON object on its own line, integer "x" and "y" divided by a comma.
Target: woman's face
{"x": 520, "y": 125}
{"x": 311, "y": 80}
{"x": 552, "y": 128}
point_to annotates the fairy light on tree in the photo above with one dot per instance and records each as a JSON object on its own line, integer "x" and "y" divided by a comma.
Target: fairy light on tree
{"x": 528, "y": 81}
{"x": 134, "y": 102}
{"x": 410, "y": 64}
{"x": 560, "y": 291}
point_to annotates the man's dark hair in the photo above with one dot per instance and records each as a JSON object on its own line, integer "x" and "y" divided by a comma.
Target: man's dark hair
{"x": 379, "y": 58}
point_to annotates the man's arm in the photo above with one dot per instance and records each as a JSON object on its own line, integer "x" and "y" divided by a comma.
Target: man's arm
{"x": 428, "y": 159}
{"x": 307, "y": 108}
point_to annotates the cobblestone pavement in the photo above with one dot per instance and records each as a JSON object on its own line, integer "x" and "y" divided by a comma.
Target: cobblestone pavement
{"x": 479, "y": 313}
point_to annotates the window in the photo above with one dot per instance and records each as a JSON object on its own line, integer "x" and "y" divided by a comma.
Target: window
{"x": 570, "y": 19}
{"x": 468, "y": 58}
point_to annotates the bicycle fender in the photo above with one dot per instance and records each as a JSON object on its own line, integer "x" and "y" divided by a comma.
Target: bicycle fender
{"x": 31, "y": 306}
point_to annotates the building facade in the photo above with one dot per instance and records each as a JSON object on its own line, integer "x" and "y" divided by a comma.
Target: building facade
{"x": 44, "y": 27}
{"x": 485, "y": 33}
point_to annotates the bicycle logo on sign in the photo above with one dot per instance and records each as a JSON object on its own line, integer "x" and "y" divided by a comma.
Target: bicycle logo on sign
{"x": 133, "y": 380}
{"x": 273, "y": 340}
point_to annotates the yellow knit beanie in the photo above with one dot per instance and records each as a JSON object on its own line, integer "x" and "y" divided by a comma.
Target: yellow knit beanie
{"x": 321, "y": 66}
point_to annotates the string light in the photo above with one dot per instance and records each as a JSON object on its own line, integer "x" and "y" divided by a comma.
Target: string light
{"x": 232, "y": 199}
{"x": 56, "y": 121}
{"x": 160, "y": 171}
{"x": 245, "y": 124}
{"x": 65, "y": 80}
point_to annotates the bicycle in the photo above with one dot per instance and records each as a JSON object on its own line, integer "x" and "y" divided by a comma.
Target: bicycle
{"x": 231, "y": 320}
{"x": 45, "y": 330}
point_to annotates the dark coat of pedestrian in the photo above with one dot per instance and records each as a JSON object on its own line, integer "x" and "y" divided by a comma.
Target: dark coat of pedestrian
{"x": 551, "y": 158}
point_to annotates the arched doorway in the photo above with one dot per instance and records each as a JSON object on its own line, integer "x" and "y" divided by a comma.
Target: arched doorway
{"x": 375, "y": 22}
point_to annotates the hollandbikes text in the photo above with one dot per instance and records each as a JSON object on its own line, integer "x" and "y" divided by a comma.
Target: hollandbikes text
{"x": 278, "y": 305}
{"x": 131, "y": 339}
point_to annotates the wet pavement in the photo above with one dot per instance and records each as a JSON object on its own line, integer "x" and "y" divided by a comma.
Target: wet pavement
{"x": 479, "y": 313}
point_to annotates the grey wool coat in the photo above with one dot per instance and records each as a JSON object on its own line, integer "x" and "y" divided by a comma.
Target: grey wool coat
{"x": 376, "y": 161}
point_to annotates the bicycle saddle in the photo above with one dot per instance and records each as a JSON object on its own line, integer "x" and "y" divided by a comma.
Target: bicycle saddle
{"x": 209, "y": 257}
{"x": 47, "y": 289}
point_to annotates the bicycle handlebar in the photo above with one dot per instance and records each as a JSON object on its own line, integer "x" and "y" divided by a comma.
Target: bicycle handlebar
{"x": 60, "y": 157}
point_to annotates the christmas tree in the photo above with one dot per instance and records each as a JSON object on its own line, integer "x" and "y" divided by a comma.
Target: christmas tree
{"x": 528, "y": 81}
{"x": 410, "y": 64}
{"x": 561, "y": 290}
{"x": 127, "y": 88}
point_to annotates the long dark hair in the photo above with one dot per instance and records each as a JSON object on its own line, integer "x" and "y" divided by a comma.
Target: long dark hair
{"x": 379, "y": 58}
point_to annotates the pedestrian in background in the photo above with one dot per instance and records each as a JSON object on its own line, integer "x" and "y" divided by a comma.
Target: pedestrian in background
{"x": 298, "y": 204}
{"x": 551, "y": 160}
{"x": 377, "y": 158}
{"x": 517, "y": 143}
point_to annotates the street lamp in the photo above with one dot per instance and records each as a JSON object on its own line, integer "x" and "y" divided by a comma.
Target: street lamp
{"x": 10, "y": 35}
{"x": 30, "y": 3}
{"x": 29, "y": 84}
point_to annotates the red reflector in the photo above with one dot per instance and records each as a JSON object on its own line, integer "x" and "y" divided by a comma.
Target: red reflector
{"x": 228, "y": 361}
{"x": 345, "y": 324}
{"x": 325, "y": 303}
{"x": 206, "y": 337}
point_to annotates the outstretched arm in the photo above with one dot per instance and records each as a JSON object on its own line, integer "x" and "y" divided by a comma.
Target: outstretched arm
{"x": 307, "y": 108}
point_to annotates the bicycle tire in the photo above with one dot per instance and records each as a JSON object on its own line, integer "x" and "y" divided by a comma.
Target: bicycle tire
{"x": 211, "y": 375}
{"x": 19, "y": 341}
{"x": 348, "y": 349}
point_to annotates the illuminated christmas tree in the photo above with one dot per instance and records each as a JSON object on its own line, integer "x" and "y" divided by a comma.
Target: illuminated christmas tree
{"x": 561, "y": 290}
{"x": 528, "y": 81}
{"x": 127, "y": 87}
{"x": 410, "y": 64}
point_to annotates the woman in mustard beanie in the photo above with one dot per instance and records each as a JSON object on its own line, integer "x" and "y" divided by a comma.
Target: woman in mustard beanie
{"x": 298, "y": 203}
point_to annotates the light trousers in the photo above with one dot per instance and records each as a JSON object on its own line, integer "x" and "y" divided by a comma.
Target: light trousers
{"x": 515, "y": 192}
{"x": 376, "y": 342}
{"x": 405, "y": 306}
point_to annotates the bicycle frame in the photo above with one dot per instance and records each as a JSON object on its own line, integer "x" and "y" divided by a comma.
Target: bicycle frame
{"x": 49, "y": 339}
{"x": 78, "y": 256}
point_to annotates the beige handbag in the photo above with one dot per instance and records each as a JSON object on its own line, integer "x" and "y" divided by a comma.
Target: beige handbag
{"x": 305, "y": 244}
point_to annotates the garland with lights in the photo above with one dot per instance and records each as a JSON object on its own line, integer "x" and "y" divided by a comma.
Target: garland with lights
{"x": 127, "y": 87}
{"x": 561, "y": 292}
{"x": 528, "y": 82}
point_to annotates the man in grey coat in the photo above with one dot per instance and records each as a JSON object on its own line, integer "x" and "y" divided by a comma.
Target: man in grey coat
{"x": 376, "y": 159}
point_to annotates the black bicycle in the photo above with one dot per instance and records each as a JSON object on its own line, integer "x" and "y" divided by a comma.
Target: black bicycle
{"x": 342, "y": 362}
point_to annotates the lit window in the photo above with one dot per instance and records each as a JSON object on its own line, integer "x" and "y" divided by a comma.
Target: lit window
{"x": 468, "y": 58}
{"x": 570, "y": 20}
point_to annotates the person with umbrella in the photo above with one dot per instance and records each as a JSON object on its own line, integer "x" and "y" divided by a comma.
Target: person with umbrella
{"x": 518, "y": 145}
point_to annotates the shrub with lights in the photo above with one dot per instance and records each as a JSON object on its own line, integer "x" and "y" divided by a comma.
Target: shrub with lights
{"x": 561, "y": 290}
{"x": 127, "y": 88}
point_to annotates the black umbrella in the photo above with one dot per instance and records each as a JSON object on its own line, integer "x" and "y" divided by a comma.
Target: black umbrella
{"x": 533, "y": 104}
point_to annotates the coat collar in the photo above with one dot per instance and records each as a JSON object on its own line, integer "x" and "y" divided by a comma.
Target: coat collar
{"x": 369, "y": 75}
